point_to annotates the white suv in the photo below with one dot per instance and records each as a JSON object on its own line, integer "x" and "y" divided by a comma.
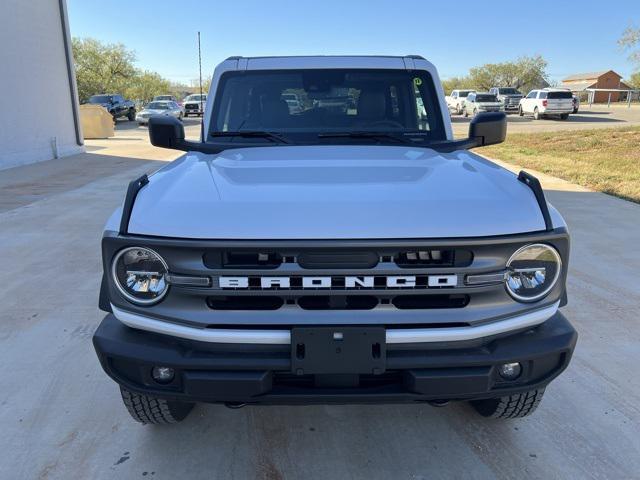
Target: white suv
{"x": 547, "y": 101}
{"x": 455, "y": 101}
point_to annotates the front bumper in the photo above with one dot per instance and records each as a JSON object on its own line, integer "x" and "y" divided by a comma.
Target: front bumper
{"x": 250, "y": 373}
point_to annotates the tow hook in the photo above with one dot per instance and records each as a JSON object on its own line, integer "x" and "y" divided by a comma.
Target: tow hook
{"x": 234, "y": 405}
{"x": 438, "y": 403}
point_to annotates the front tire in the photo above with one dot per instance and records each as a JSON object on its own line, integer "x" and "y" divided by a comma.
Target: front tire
{"x": 564, "y": 116}
{"x": 131, "y": 114}
{"x": 517, "y": 405}
{"x": 536, "y": 114}
{"x": 520, "y": 111}
{"x": 152, "y": 410}
{"x": 464, "y": 112}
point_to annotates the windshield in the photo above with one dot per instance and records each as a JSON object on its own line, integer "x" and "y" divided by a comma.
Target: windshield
{"x": 195, "y": 98}
{"x": 302, "y": 104}
{"x": 162, "y": 97}
{"x": 465, "y": 93}
{"x": 100, "y": 99}
{"x": 486, "y": 98}
{"x": 158, "y": 106}
{"x": 508, "y": 91}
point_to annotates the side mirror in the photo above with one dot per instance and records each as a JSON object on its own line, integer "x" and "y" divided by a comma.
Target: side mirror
{"x": 167, "y": 132}
{"x": 488, "y": 128}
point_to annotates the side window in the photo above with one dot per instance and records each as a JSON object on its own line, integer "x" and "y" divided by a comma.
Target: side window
{"x": 532, "y": 94}
{"x": 542, "y": 95}
{"x": 493, "y": 90}
{"x": 454, "y": 94}
{"x": 118, "y": 99}
{"x": 471, "y": 97}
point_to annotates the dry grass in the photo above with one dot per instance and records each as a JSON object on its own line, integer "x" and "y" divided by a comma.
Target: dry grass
{"x": 607, "y": 160}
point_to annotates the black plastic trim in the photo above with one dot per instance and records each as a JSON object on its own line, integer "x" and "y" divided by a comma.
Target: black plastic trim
{"x": 248, "y": 373}
{"x": 534, "y": 184}
{"x": 129, "y": 200}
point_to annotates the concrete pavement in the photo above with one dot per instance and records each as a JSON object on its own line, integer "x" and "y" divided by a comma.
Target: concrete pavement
{"x": 61, "y": 417}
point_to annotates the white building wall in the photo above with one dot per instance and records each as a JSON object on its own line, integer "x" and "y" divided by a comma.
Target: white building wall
{"x": 37, "y": 104}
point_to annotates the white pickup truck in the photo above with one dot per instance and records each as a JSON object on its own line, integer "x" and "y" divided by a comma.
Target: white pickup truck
{"x": 330, "y": 252}
{"x": 455, "y": 101}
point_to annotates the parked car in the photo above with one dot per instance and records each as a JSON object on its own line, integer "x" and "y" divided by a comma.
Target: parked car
{"x": 194, "y": 104}
{"x": 576, "y": 103}
{"x": 274, "y": 264}
{"x": 164, "y": 98}
{"x": 547, "y": 101}
{"x": 293, "y": 102}
{"x": 508, "y": 96}
{"x": 166, "y": 108}
{"x": 477, "y": 102}
{"x": 116, "y": 105}
{"x": 455, "y": 101}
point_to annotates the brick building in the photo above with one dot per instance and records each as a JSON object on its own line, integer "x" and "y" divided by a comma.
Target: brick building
{"x": 607, "y": 79}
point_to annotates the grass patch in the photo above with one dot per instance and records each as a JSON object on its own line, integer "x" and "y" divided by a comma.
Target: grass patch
{"x": 606, "y": 160}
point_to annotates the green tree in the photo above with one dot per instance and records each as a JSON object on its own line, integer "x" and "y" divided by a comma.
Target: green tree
{"x": 145, "y": 85}
{"x": 630, "y": 40}
{"x": 102, "y": 68}
{"x": 634, "y": 80}
{"x": 526, "y": 73}
{"x": 455, "y": 83}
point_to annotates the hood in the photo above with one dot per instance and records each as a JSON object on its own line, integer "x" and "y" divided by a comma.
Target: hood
{"x": 333, "y": 192}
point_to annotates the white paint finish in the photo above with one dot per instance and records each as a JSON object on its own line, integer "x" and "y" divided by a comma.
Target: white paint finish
{"x": 35, "y": 83}
{"x": 62, "y": 417}
{"x": 334, "y": 192}
{"x": 283, "y": 337}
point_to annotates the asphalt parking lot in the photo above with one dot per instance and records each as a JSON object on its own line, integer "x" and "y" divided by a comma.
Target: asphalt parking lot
{"x": 596, "y": 116}
{"x": 61, "y": 417}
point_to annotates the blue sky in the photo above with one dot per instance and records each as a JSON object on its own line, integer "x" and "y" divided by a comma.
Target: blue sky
{"x": 572, "y": 36}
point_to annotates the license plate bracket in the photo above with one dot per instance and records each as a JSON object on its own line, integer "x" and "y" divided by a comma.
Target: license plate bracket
{"x": 335, "y": 350}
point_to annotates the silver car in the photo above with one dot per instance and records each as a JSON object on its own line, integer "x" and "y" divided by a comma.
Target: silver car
{"x": 166, "y": 108}
{"x": 477, "y": 102}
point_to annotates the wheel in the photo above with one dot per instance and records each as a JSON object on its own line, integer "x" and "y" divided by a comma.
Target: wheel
{"x": 464, "y": 111}
{"x": 458, "y": 109}
{"x": 475, "y": 112}
{"x": 575, "y": 110}
{"x": 186, "y": 114}
{"x": 512, "y": 406}
{"x": 180, "y": 116}
{"x": 140, "y": 124}
{"x": 152, "y": 410}
{"x": 564, "y": 116}
{"x": 536, "y": 114}
{"x": 131, "y": 114}
{"x": 520, "y": 111}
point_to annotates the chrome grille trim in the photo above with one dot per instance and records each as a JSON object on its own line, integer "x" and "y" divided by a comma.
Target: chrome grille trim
{"x": 283, "y": 337}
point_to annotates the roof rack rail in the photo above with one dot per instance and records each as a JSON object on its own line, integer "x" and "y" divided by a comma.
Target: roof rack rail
{"x": 132, "y": 192}
{"x": 534, "y": 184}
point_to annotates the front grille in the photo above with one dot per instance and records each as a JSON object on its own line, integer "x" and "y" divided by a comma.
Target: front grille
{"x": 337, "y": 302}
{"x": 189, "y": 106}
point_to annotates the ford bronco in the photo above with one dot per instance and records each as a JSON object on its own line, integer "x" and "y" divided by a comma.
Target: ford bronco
{"x": 323, "y": 253}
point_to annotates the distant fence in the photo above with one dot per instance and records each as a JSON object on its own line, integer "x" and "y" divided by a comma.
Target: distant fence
{"x": 630, "y": 95}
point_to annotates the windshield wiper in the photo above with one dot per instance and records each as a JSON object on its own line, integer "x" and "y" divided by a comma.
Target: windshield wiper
{"x": 272, "y": 136}
{"x": 373, "y": 135}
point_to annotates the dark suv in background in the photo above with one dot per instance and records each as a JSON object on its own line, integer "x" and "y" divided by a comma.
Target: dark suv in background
{"x": 116, "y": 105}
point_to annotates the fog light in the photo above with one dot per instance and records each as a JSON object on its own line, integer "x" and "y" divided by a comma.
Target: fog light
{"x": 163, "y": 374}
{"x": 510, "y": 371}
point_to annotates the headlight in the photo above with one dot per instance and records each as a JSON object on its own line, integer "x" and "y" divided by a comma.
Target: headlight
{"x": 140, "y": 275}
{"x": 532, "y": 271}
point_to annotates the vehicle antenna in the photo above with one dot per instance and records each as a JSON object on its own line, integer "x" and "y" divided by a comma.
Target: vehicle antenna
{"x": 201, "y": 109}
